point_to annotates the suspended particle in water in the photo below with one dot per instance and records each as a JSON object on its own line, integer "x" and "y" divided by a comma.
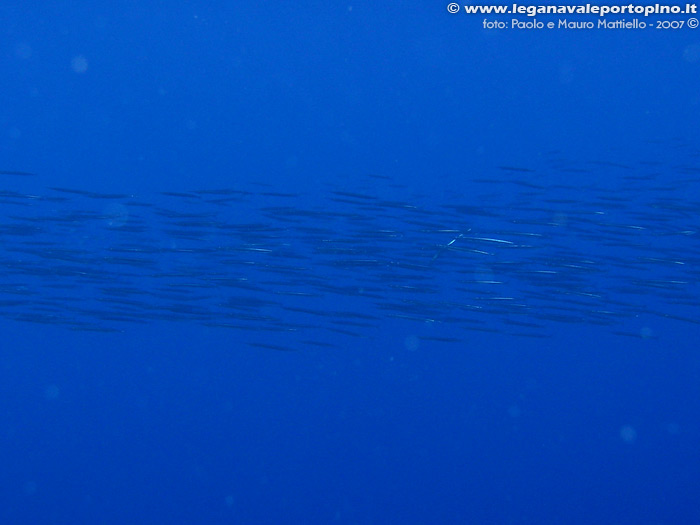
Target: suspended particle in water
{"x": 628, "y": 434}
{"x": 79, "y": 64}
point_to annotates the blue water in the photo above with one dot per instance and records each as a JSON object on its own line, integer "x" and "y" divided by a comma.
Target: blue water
{"x": 353, "y": 263}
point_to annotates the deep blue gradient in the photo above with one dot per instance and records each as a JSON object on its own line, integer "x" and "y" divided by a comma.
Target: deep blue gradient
{"x": 179, "y": 422}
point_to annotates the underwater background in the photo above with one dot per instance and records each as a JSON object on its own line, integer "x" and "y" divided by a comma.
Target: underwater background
{"x": 346, "y": 263}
